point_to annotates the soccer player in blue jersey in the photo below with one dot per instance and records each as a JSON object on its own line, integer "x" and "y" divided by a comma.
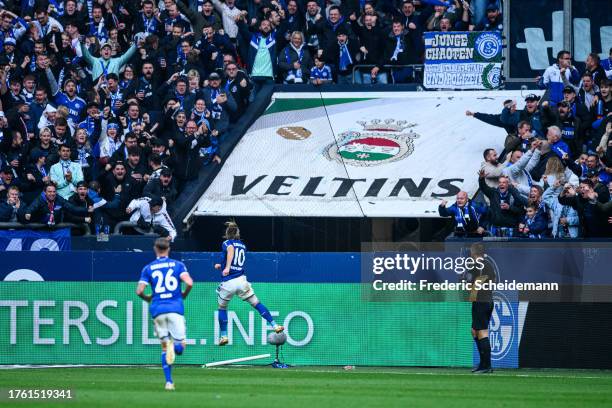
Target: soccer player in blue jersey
{"x": 165, "y": 274}
{"x": 234, "y": 282}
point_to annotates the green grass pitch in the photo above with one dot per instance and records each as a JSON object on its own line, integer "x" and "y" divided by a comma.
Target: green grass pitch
{"x": 313, "y": 387}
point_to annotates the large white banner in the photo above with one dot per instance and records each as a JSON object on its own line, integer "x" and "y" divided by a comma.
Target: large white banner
{"x": 356, "y": 155}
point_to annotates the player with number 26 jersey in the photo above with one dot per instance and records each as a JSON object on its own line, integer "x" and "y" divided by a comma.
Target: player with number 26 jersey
{"x": 165, "y": 275}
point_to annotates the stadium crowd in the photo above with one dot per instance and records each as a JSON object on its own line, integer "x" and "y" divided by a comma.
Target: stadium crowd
{"x": 553, "y": 178}
{"x": 111, "y": 107}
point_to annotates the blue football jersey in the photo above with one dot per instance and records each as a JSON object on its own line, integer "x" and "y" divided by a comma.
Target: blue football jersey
{"x": 164, "y": 276}
{"x": 75, "y": 106}
{"x": 237, "y": 264}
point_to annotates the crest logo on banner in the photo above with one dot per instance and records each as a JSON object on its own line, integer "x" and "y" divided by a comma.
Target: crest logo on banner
{"x": 488, "y": 45}
{"x": 379, "y": 142}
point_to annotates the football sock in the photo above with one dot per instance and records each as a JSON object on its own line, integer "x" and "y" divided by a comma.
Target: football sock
{"x": 478, "y": 347}
{"x": 223, "y": 322}
{"x": 485, "y": 353}
{"x": 178, "y": 348}
{"x": 265, "y": 313}
{"x": 167, "y": 368}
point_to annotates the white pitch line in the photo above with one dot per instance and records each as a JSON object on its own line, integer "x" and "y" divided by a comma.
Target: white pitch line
{"x": 366, "y": 370}
{"x": 495, "y": 373}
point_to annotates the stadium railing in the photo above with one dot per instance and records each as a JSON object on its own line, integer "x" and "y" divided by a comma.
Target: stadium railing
{"x": 82, "y": 228}
{"x": 418, "y": 69}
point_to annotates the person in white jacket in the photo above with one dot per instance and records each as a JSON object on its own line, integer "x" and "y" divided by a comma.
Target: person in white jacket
{"x": 229, "y": 14}
{"x": 564, "y": 219}
{"x": 151, "y": 213}
{"x": 519, "y": 166}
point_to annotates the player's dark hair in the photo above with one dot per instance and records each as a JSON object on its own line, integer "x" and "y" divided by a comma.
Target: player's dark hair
{"x": 231, "y": 230}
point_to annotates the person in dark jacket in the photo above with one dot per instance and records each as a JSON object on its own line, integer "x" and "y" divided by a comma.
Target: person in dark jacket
{"x": 506, "y": 205}
{"x": 116, "y": 183}
{"x": 164, "y": 187}
{"x": 37, "y": 175}
{"x": 239, "y": 86}
{"x": 80, "y": 199}
{"x": 572, "y": 128}
{"x": 327, "y": 30}
{"x": 510, "y": 116}
{"x": 219, "y": 102}
{"x": 187, "y": 152}
{"x": 50, "y": 208}
{"x": 343, "y": 54}
{"x": 294, "y": 61}
{"x": 11, "y": 209}
{"x": 399, "y": 50}
{"x": 592, "y": 220}
{"x": 179, "y": 92}
{"x": 371, "y": 36}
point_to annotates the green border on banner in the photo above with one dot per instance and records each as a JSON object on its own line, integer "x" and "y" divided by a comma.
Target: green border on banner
{"x": 327, "y": 324}
{"x": 286, "y": 105}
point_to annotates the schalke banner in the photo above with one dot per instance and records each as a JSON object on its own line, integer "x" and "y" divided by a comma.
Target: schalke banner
{"x": 28, "y": 240}
{"x": 463, "y": 60}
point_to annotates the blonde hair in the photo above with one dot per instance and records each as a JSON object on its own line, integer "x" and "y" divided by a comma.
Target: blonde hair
{"x": 301, "y": 34}
{"x": 192, "y": 73}
{"x": 62, "y": 111}
{"x": 554, "y": 165}
{"x": 231, "y": 230}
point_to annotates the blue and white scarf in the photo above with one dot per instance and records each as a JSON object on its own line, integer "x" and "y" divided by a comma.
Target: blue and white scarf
{"x": 345, "y": 57}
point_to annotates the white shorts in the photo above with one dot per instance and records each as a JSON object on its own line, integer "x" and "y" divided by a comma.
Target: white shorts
{"x": 170, "y": 325}
{"x": 238, "y": 286}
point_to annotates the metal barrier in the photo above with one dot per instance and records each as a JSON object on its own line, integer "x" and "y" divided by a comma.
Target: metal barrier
{"x": 418, "y": 68}
{"x": 84, "y": 228}
{"x": 129, "y": 224}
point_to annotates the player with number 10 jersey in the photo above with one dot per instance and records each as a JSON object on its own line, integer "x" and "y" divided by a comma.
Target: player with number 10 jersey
{"x": 234, "y": 282}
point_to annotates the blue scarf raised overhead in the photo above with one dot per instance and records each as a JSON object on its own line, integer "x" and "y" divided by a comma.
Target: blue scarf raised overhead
{"x": 345, "y": 57}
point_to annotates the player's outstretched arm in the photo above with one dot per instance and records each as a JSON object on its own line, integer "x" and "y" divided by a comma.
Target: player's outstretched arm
{"x": 185, "y": 277}
{"x": 140, "y": 292}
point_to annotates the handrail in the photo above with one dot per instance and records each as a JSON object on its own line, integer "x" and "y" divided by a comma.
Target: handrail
{"x": 129, "y": 224}
{"x": 417, "y": 68}
{"x": 84, "y": 228}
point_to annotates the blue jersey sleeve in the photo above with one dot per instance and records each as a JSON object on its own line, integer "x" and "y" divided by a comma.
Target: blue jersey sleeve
{"x": 145, "y": 275}
{"x": 181, "y": 268}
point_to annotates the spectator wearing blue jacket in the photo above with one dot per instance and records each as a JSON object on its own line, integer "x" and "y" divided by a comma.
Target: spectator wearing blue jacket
{"x": 552, "y": 80}
{"x": 468, "y": 217}
{"x": 534, "y": 224}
